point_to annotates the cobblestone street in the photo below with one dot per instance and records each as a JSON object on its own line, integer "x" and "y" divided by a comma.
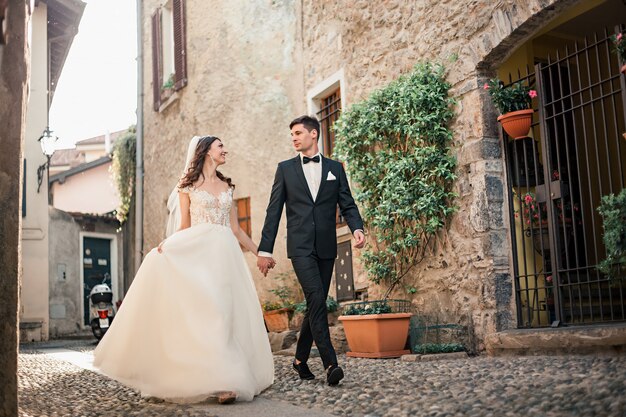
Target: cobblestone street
{"x": 483, "y": 386}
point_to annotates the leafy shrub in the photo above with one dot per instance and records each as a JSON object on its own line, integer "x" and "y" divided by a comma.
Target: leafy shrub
{"x": 396, "y": 146}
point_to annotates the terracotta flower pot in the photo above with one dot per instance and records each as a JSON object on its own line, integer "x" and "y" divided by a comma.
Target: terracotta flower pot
{"x": 377, "y": 335}
{"x": 277, "y": 320}
{"x": 517, "y": 123}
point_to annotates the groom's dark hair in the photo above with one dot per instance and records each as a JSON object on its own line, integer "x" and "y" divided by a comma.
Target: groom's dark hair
{"x": 308, "y": 122}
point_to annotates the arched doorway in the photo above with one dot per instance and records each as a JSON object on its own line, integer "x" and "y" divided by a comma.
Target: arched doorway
{"x": 556, "y": 177}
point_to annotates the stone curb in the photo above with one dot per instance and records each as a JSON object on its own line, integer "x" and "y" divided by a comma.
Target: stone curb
{"x": 434, "y": 357}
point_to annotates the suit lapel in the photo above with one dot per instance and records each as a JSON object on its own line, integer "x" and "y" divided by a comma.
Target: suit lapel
{"x": 297, "y": 165}
{"x": 325, "y": 170}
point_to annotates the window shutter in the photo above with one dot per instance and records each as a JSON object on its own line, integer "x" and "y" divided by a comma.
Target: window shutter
{"x": 157, "y": 73}
{"x": 244, "y": 215}
{"x": 180, "y": 45}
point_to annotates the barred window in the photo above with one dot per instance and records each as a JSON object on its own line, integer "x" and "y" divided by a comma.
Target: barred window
{"x": 328, "y": 115}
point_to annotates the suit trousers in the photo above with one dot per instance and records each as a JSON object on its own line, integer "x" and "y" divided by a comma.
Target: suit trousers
{"x": 315, "y": 275}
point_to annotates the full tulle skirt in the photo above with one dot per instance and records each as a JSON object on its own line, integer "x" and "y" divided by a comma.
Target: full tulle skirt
{"x": 191, "y": 324}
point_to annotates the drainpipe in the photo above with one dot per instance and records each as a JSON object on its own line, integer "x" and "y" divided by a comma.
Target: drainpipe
{"x": 139, "y": 146}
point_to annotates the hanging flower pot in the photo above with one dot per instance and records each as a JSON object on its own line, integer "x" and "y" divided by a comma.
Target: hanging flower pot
{"x": 517, "y": 123}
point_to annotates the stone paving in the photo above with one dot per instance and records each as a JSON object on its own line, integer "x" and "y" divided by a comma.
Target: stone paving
{"x": 480, "y": 386}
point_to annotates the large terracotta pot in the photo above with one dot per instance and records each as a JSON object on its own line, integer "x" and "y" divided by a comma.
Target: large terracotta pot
{"x": 377, "y": 335}
{"x": 517, "y": 123}
{"x": 277, "y": 320}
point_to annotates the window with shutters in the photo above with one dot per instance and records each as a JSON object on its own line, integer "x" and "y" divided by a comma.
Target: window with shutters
{"x": 169, "y": 64}
{"x": 244, "y": 217}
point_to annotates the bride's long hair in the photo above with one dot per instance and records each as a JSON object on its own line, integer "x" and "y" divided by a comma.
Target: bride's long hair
{"x": 194, "y": 172}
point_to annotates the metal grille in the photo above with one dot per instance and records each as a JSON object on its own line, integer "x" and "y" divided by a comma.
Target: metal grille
{"x": 557, "y": 180}
{"x": 328, "y": 115}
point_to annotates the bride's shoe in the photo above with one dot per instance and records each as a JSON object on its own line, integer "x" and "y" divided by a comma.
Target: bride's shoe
{"x": 226, "y": 397}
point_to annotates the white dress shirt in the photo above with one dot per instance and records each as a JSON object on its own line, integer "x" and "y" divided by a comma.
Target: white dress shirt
{"x": 313, "y": 174}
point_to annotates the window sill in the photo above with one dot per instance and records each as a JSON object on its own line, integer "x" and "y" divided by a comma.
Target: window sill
{"x": 172, "y": 98}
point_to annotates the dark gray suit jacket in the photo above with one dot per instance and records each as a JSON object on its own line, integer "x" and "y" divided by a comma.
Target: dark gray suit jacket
{"x": 310, "y": 224}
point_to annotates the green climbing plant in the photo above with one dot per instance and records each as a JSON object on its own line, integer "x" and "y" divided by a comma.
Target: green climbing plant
{"x": 123, "y": 171}
{"x": 397, "y": 148}
{"x": 613, "y": 212}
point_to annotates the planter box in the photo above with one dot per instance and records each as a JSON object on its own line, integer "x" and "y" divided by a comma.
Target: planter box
{"x": 277, "y": 320}
{"x": 377, "y": 335}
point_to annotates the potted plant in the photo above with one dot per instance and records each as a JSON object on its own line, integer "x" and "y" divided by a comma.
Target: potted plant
{"x": 534, "y": 217}
{"x": 619, "y": 44}
{"x": 514, "y": 104}
{"x": 375, "y": 329}
{"x": 613, "y": 212}
{"x": 167, "y": 89}
{"x": 278, "y": 313}
{"x": 396, "y": 147}
{"x": 299, "y": 310}
{"x": 276, "y": 316}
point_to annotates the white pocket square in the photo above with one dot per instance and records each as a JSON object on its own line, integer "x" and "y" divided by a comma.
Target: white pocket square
{"x": 330, "y": 177}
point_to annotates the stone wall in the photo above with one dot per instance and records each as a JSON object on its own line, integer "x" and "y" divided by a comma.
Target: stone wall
{"x": 251, "y": 68}
{"x": 14, "y": 68}
{"x": 244, "y": 87}
{"x": 468, "y": 279}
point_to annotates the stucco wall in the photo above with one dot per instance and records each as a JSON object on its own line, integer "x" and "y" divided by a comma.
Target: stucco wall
{"x": 244, "y": 87}
{"x": 469, "y": 279}
{"x": 34, "y": 295}
{"x": 66, "y": 297}
{"x": 96, "y": 183}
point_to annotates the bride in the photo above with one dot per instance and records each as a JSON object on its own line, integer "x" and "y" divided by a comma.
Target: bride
{"x": 191, "y": 325}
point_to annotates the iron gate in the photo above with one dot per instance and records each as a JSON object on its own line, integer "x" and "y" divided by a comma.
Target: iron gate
{"x": 574, "y": 155}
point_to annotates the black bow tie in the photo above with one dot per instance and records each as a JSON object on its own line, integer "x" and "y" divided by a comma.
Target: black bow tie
{"x": 306, "y": 159}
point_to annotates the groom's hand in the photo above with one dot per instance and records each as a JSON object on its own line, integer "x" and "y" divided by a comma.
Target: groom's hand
{"x": 265, "y": 264}
{"x": 359, "y": 239}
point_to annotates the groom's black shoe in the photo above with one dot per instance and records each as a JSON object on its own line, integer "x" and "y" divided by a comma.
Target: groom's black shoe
{"x": 334, "y": 375}
{"x": 303, "y": 370}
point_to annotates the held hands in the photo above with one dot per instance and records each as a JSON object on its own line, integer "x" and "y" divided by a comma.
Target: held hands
{"x": 265, "y": 264}
{"x": 359, "y": 239}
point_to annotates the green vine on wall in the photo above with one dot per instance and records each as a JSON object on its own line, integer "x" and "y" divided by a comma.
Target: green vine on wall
{"x": 613, "y": 212}
{"x": 123, "y": 171}
{"x": 396, "y": 146}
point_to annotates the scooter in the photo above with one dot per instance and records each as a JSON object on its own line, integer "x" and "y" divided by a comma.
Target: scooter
{"x": 101, "y": 309}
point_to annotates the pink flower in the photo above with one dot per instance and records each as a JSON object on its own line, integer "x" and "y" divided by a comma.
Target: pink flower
{"x": 549, "y": 278}
{"x": 486, "y": 86}
{"x": 532, "y": 93}
{"x": 528, "y": 198}
{"x": 619, "y": 37}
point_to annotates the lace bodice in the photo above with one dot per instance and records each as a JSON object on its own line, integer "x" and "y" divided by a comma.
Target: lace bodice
{"x": 208, "y": 208}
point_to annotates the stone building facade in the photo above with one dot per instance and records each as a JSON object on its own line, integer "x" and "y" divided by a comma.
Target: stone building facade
{"x": 254, "y": 65}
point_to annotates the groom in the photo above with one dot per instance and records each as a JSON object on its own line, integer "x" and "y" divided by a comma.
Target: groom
{"x": 310, "y": 186}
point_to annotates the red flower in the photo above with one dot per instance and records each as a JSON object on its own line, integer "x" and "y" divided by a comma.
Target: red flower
{"x": 486, "y": 86}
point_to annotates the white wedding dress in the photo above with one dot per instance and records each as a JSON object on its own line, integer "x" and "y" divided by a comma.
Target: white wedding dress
{"x": 191, "y": 323}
